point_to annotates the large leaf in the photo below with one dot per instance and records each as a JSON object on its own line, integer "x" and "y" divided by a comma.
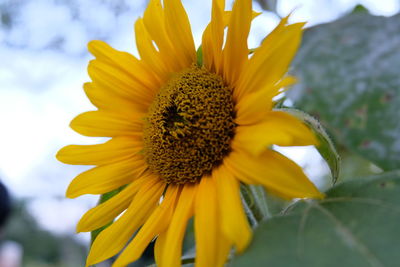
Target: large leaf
{"x": 356, "y": 225}
{"x": 349, "y": 78}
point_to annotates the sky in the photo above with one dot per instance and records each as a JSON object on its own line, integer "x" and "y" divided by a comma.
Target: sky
{"x": 43, "y": 60}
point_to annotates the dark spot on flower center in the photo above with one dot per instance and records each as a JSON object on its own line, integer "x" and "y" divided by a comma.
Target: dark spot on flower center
{"x": 189, "y": 126}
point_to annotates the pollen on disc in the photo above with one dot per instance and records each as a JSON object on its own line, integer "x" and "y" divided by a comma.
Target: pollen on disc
{"x": 189, "y": 126}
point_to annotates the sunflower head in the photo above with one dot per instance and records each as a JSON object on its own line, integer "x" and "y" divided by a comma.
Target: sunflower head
{"x": 184, "y": 136}
{"x": 189, "y": 126}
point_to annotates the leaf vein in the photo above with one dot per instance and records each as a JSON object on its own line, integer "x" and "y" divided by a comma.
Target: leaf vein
{"x": 352, "y": 239}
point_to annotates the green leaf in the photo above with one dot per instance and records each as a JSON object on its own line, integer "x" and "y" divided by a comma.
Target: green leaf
{"x": 326, "y": 148}
{"x": 360, "y": 9}
{"x": 357, "y": 224}
{"x": 348, "y": 73}
{"x": 354, "y": 166}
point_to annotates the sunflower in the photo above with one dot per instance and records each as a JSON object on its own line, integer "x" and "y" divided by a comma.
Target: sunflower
{"x": 186, "y": 130}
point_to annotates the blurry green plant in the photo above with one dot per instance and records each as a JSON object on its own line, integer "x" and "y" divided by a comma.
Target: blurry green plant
{"x": 40, "y": 247}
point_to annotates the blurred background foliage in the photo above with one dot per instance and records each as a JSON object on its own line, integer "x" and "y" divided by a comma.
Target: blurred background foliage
{"x": 348, "y": 73}
{"x": 42, "y": 248}
{"x": 348, "y": 78}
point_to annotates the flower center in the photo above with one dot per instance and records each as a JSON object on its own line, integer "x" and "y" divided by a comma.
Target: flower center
{"x": 189, "y": 126}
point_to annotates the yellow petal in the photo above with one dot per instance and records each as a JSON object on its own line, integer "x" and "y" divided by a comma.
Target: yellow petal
{"x": 101, "y": 123}
{"x": 120, "y": 83}
{"x": 110, "y": 241}
{"x": 159, "y": 247}
{"x": 277, "y": 128}
{"x": 178, "y": 27}
{"x": 236, "y": 52}
{"x": 234, "y": 222}
{"x": 224, "y": 247}
{"x": 227, "y": 16}
{"x": 206, "y": 224}
{"x": 105, "y": 178}
{"x": 253, "y": 108}
{"x": 171, "y": 254}
{"x": 104, "y": 213}
{"x": 116, "y": 149}
{"x": 157, "y": 223}
{"x": 275, "y": 172}
{"x": 106, "y": 99}
{"x": 283, "y": 84}
{"x": 125, "y": 62}
{"x": 148, "y": 53}
{"x": 213, "y": 37}
{"x": 154, "y": 22}
{"x": 212, "y": 247}
{"x": 271, "y": 60}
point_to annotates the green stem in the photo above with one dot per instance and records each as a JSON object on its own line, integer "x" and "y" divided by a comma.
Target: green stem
{"x": 249, "y": 212}
{"x": 260, "y": 199}
{"x": 255, "y": 203}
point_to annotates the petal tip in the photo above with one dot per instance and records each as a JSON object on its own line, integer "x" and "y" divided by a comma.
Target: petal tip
{"x": 93, "y": 44}
{"x": 72, "y": 192}
{"x": 60, "y": 154}
{"x": 80, "y": 228}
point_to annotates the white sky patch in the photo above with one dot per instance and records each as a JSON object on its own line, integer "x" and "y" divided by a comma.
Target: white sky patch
{"x": 61, "y": 215}
{"x": 40, "y": 23}
{"x": 39, "y": 96}
{"x": 41, "y": 79}
{"x": 199, "y": 13}
{"x": 311, "y": 161}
